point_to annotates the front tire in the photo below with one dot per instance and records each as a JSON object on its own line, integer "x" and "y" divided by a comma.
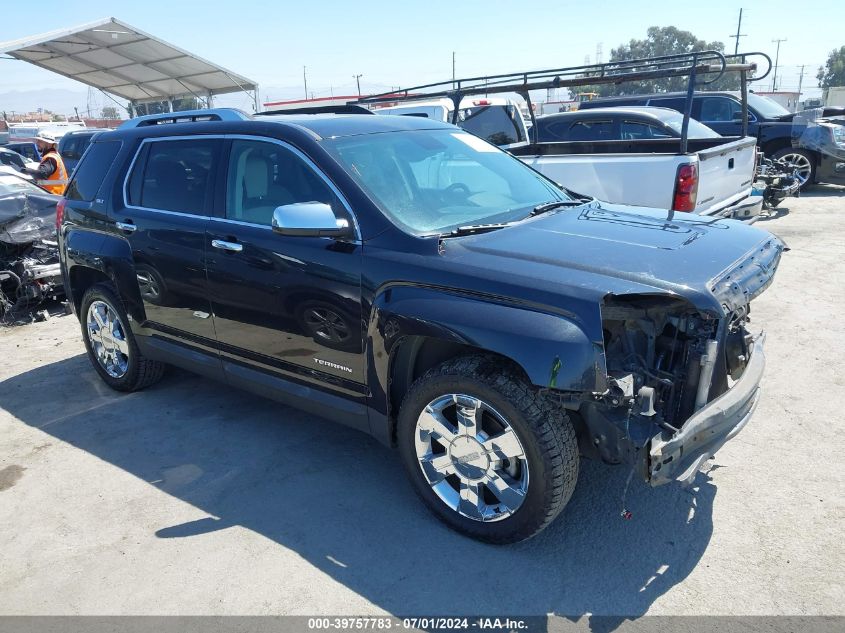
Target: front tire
{"x": 110, "y": 343}
{"x": 804, "y": 161}
{"x": 485, "y": 452}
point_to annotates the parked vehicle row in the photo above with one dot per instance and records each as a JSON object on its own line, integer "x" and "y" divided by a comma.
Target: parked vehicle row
{"x": 409, "y": 279}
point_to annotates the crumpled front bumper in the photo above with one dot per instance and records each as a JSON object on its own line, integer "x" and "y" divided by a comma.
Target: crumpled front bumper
{"x": 678, "y": 457}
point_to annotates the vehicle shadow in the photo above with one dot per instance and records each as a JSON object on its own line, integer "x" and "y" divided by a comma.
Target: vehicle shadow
{"x": 823, "y": 191}
{"x": 341, "y": 500}
{"x": 778, "y": 212}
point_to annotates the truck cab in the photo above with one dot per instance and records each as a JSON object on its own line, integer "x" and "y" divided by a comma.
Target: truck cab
{"x": 497, "y": 120}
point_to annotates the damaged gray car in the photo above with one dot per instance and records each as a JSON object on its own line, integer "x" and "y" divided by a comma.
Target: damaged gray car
{"x": 29, "y": 259}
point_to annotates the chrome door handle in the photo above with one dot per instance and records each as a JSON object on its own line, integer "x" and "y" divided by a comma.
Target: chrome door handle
{"x": 126, "y": 226}
{"x": 233, "y": 247}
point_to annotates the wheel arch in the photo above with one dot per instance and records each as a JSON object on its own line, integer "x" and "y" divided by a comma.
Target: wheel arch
{"x": 413, "y": 329}
{"x": 776, "y": 145}
{"x": 92, "y": 258}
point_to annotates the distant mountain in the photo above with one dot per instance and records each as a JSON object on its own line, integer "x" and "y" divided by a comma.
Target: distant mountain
{"x": 63, "y": 101}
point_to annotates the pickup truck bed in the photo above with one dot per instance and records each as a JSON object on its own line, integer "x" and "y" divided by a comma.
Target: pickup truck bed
{"x": 644, "y": 172}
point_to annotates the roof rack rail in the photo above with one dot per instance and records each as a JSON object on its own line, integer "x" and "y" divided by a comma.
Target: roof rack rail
{"x": 701, "y": 67}
{"x": 709, "y": 66}
{"x": 328, "y": 109}
{"x": 187, "y": 116}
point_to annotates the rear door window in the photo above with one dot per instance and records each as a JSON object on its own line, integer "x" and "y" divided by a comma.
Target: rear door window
{"x": 174, "y": 175}
{"x": 91, "y": 172}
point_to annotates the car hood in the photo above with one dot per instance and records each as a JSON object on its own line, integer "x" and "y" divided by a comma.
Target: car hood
{"x": 825, "y": 112}
{"x": 715, "y": 264}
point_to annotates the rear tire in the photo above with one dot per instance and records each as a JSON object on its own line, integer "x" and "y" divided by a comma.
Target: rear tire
{"x": 486, "y": 453}
{"x": 110, "y": 343}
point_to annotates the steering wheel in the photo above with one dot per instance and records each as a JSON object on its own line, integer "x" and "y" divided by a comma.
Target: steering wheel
{"x": 457, "y": 189}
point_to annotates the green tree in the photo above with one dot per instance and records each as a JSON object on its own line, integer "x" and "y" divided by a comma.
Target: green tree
{"x": 660, "y": 41}
{"x": 109, "y": 112}
{"x": 833, "y": 72}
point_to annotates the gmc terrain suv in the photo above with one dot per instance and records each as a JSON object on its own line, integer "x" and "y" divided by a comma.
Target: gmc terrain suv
{"x": 406, "y": 278}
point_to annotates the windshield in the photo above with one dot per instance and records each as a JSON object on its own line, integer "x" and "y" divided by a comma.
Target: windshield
{"x": 433, "y": 181}
{"x": 675, "y": 121}
{"x": 11, "y": 185}
{"x": 768, "y": 108}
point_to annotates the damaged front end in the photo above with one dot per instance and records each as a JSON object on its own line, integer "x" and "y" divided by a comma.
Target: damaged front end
{"x": 29, "y": 258}
{"x": 681, "y": 381}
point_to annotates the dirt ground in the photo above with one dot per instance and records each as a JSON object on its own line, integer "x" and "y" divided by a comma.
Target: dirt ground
{"x": 194, "y": 498}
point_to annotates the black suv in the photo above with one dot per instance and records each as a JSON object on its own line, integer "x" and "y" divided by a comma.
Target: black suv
{"x": 406, "y": 278}
{"x": 778, "y": 131}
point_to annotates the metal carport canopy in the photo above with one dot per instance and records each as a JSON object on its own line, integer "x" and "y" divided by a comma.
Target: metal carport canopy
{"x": 124, "y": 61}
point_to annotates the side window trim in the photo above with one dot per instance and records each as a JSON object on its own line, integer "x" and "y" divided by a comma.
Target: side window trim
{"x": 302, "y": 156}
{"x": 213, "y": 213}
{"x": 139, "y": 151}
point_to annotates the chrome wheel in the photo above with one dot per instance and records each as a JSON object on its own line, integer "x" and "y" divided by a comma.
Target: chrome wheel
{"x": 148, "y": 285}
{"x": 471, "y": 457}
{"x": 326, "y": 324}
{"x": 802, "y": 165}
{"x": 107, "y": 336}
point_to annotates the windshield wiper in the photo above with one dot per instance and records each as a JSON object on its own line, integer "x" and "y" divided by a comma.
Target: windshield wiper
{"x": 557, "y": 204}
{"x": 473, "y": 229}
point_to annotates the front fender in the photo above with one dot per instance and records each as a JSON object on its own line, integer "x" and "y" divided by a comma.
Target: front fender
{"x": 553, "y": 350}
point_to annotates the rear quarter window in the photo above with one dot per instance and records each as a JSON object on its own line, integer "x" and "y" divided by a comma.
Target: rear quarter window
{"x": 89, "y": 175}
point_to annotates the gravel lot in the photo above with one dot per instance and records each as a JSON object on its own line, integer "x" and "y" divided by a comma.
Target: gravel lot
{"x": 194, "y": 498}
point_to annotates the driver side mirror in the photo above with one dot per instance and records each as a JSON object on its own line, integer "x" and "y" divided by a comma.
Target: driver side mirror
{"x": 309, "y": 219}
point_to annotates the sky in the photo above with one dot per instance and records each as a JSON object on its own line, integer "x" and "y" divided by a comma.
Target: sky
{"x": 408, "y": 43}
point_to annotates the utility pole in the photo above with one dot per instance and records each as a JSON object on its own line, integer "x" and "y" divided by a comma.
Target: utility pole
{"x": 305, "y": 81}
{"x": 358, "y": 81}
{"x": 800, "y": 81}
{"x": 453, "y": 70}
{"x": 777, "y": 57}
{"x": 738, "y": 34}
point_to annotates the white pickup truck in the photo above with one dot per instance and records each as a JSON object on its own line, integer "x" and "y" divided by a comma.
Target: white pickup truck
{"x": 621, "y": 155}
{"x": 633, "y": 156}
